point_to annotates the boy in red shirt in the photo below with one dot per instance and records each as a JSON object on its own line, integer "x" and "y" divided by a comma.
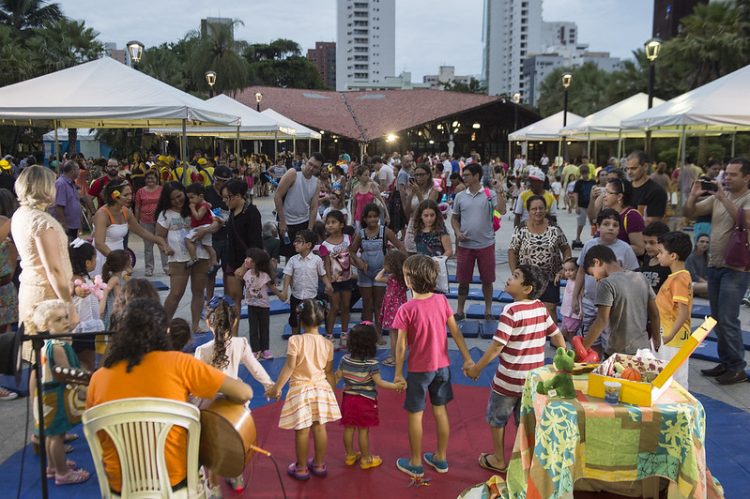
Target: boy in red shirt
{"x": 200, "y": 218}
{"x": 421, "y": 325}
{"x": 520, "y": 339}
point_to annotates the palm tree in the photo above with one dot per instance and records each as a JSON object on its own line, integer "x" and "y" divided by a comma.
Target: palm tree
{"x": 217, "y": 51}
{"x": 23, "y": 15}
{"x": 588, "y": 92}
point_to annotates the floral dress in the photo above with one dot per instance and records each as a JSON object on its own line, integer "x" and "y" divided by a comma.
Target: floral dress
{"x": 8, "y": 294}
{"x": 395, "y": 296}
{"x": 430, "y": 243}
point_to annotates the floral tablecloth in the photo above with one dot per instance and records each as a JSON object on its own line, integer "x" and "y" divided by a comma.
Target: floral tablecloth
{"x": 562, "y": 441}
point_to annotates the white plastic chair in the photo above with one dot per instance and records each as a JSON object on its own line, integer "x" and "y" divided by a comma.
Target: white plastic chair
{"x": 138, "y": 428}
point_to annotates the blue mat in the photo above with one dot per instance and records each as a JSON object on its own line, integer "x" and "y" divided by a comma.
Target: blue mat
{"x": 278, "y": 307}
{"x": 159, "y": 285}
{"x": 470, "y": 329}
{"x": 474, "y": 279}
{"x": 504, "y": 297}
{"x": 727, "y": 434}
{"x": 487, "y": 329}
{"x": 476, "y": 310}
{"x": 474, "y": 294}
{"x": 745, "y": 338}
{"x": 706, "y": 351}
{"x": 357, "y": 307}
{"x": 700, "y": 311}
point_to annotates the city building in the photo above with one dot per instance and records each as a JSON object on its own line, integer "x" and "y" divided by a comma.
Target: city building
{"x": 365, "y": 43}
{"x": 446, "y": 74}
{"x": 324, "y": 58}
{"x": 400, "y": 82}
{"x": 510, "y": 30}
{"x": 669, "y": 13}
{"x": 536, "y": 67}
{"x": 217, "y": 21}
{"x": 120, "y": 55}
{"x": 559, "y": 34}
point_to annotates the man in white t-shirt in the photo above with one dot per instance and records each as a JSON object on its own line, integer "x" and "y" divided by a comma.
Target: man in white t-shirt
{"x": 386, "y": 176}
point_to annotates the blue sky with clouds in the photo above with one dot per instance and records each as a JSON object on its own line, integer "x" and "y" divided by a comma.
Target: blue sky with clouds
{"x": 429, "y": 33}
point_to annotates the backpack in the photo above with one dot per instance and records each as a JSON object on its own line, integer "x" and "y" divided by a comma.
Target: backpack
{"x": 497, "y": 218}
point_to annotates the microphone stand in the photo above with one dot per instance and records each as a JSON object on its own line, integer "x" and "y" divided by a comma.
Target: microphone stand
{"x": 37, "y": 342}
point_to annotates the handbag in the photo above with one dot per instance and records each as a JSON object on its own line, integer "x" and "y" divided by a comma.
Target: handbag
{"x": 737, "y": 253}
{"x": 441, "y": 285}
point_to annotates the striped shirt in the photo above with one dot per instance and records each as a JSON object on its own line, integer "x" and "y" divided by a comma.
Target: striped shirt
{"x": 522, "y": 330}
{"x": 357, "y": 376}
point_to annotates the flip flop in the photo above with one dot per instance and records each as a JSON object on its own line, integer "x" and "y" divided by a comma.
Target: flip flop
{"x": 72, "y": 477}
{"x": 485, "y": 463}
{"x": 51, "y": 471}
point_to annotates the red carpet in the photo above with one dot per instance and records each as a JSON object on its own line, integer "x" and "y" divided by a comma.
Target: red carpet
{"x": 470, "y": 436}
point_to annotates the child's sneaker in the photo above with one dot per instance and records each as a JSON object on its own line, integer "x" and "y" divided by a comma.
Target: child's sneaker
{"x": 267, "y": 355}
{"x": 440, "y": 466}
{"x": 374, "y": 462}
{"x": 404, "y": 465}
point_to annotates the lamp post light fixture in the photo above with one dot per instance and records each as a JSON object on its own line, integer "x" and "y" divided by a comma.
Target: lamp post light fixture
{"x": 135, "y": 50}
{"x": 515, "y": 99}
{"x": 566, "y": 79}
{"x": 476, "y": 126}
{"x": 211, "y": 80}
{"x": 652, "y": 47}
{"x": 258, "y": 98}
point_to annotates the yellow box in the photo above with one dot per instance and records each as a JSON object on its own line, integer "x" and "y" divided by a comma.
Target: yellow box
{"x": 642, "y": 393}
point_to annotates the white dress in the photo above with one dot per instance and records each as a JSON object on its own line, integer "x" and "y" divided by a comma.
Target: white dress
{"x": 114, "y": 238}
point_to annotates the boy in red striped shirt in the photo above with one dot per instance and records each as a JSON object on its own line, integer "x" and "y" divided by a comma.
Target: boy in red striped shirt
{"x": 520, "y": 340}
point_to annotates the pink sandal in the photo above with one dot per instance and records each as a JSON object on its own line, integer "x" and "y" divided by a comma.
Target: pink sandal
{"x": 72, "y": 477}
{"x": 51, "y": 471}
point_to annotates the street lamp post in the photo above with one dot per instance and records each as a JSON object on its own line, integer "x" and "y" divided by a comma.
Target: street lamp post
{"x": 135, "y": 49}
{"x": 258, "y": 98}
{"x": 516, "y": 99}
{"x": 211, "y": 80}
{"x": 652, "y": 48}
{"x": 567, "y": 79}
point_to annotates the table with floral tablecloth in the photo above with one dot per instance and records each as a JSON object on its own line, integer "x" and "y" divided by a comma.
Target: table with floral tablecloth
{"x": 586, "y": 442}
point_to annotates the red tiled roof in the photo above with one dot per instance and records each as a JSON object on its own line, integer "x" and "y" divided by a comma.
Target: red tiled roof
{"x": 363, "y": 115}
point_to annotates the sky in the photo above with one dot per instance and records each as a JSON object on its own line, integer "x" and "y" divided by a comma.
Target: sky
{"x": 429, "y": 33}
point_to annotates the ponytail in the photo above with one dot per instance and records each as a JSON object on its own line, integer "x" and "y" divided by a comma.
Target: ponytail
{"x": 221, "y": 316}
{"x": 117, "y": 261}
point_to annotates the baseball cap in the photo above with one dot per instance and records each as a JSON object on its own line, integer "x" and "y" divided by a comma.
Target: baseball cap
{"x": 536, "y": 174}
{"x": 222, "y": 173}
{"x": 4, "y": 164}
{"x": 202, "y": 161}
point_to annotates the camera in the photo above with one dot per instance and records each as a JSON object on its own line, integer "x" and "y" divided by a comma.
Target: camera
{"x": 708, "y": 185}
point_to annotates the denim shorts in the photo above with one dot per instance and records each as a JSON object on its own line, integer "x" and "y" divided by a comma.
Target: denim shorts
{"x": 499, "y": 408}
{"x": 367, "y": 280}
{"x": 436, "y": 383}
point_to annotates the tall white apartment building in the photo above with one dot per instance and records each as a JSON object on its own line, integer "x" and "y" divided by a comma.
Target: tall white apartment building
{"x": 511, "y": 29}
{"x": 365, "y": 43}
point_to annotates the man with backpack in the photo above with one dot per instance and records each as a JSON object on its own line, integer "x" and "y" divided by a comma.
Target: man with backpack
{"x": 472, "y": 222}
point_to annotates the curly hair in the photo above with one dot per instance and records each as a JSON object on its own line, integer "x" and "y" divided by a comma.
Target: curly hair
{"x": 394, "y": 264}
{"x": 220, "y": 320}
{"x": 133, "y": 289}
{"x": 362, "y": 342}
{"x": 142, "y": 329}
{"x": 40, "y": 314}
{"x": 428, "y": 204}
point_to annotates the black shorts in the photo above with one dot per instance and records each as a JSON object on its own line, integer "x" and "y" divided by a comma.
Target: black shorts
{"x": 551, "y": 294}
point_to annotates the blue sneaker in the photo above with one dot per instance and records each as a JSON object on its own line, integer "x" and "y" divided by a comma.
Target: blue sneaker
{"x": 440, "y": 466}
{"x": 404, "y": 465}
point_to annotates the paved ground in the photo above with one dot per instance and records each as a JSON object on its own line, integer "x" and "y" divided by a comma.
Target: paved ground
{"x": 13, "y": 414}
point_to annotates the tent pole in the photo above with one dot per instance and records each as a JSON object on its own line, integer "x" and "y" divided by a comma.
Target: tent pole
{"x": 588, "y": 147}
{"x": 734, "y": 136}
{"x": 57, "y": 145}
{"x": 619, "y": 146}
{"x": 294, "y": 145}
{"x": 320, "y": 144}
{"x": 237, "y": 145}
{"x": 183, "y": 142}
{"x": 275, "y": 145}
{"x": 309, "y": 146}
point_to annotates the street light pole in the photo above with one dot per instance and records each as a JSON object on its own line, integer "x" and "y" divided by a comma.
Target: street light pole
{"x": 258, "y": 98}
{"x": 211, "y": 81}
{"x": 516, "y": 99}
{"x": 567, "y": 79}
{"x": 652, "y": 48}
{"x": 135, "y": 50}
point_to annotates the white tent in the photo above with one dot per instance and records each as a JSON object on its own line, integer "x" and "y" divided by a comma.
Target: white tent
{"x": 605, "y": 124}
{"x": 302, "y": 132}
{"x": 103, "y": 94}
{"x": 546, "y": 129}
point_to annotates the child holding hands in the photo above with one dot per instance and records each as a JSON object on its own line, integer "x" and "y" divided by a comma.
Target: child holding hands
{"x": 360, "y": 371}
{"x": 421, "y": 327}
{"x": 519, "y": 341}
{"x": 310, "y": 402}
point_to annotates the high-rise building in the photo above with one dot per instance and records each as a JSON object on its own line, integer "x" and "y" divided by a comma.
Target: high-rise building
{"x": 324, "y": 58}
{"x": 560, "y": 33}
{"x": 120, "y": 55}
{"x": 446, "y": 74}
{"x": 668, "y": 14}
{"x": 365, "y": 42}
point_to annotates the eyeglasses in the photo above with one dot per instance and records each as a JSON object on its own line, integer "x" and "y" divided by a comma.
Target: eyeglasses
{"x": 423, "y": 174}
{"x": 227, "y": 198}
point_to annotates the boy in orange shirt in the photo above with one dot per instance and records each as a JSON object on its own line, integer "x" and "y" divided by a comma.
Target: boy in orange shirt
{"x": 675, "y": 299}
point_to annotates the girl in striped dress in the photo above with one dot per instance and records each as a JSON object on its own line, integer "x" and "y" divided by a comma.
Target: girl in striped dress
{"x": 310, "y": 402}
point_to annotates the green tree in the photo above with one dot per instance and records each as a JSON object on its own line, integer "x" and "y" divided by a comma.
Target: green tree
{"x": 24, "y": 15}
{"x": 217, "y": 51}
{"x": 169, "y": 62}
{"x": 473, "y": 87}
{"x": 588, "y": 91}
{"x": 280, "y": 64}
{"x": 64, "y": 43}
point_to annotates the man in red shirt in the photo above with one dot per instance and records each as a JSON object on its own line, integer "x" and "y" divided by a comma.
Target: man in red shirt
{"x": 110, "y": 173}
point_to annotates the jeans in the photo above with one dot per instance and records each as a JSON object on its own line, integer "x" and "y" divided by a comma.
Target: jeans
{"x": 148, "y": 251}
{"x": 726, "y": 287}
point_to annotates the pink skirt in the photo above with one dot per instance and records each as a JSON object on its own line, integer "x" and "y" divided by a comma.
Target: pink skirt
{"x": 359, "y": 411}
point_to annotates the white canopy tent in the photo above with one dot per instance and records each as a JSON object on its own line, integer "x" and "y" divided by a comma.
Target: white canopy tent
{"x": 253, "y": 125}
{"x": 104, "y": 94}
{"x": 605, "y": 124}
{"x": 547, "y": 129}
{"x": 720, "y": 106}
{"x": 302, "y": 131}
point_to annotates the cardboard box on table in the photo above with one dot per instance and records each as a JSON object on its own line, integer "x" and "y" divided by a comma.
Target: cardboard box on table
{"x": 645, "y": 394}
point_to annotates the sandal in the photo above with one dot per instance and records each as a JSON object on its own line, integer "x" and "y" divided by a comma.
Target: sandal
{"x": 484, "y": 462}
{"x": 70, "y": 437}
{"x": 389, "y": 361}
{"x": 51, "y": 471}
{"x": 297, "y": 472}
{"x": 459, "y": 317}
{"x": 374, "y": 462}
{"x": 72, "y": 477}
{"x": 350, "y": 459}
{"x": 319, "y": 470}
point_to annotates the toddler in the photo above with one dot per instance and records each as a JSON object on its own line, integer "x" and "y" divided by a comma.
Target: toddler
{"x": 571, "y": 322}
{"x": 395, "y": 296}
{"x": 200, "y": 218}
{"x": 335, "y": 254}
{"x": 86, "y": 300}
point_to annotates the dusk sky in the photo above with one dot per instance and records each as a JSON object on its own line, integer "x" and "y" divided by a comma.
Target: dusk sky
{"x": 429, "y": 33}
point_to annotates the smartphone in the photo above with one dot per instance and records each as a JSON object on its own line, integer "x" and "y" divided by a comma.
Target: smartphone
{"x": 708, "y": 186}
{"x": 287, "y": 241}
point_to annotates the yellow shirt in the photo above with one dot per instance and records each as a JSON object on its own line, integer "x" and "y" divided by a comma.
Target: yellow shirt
{"x": 676, "y": 289}
{"x": 549, "y": 198}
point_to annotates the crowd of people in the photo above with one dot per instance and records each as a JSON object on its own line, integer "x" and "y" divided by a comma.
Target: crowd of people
{"x": 375, "y": 229}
